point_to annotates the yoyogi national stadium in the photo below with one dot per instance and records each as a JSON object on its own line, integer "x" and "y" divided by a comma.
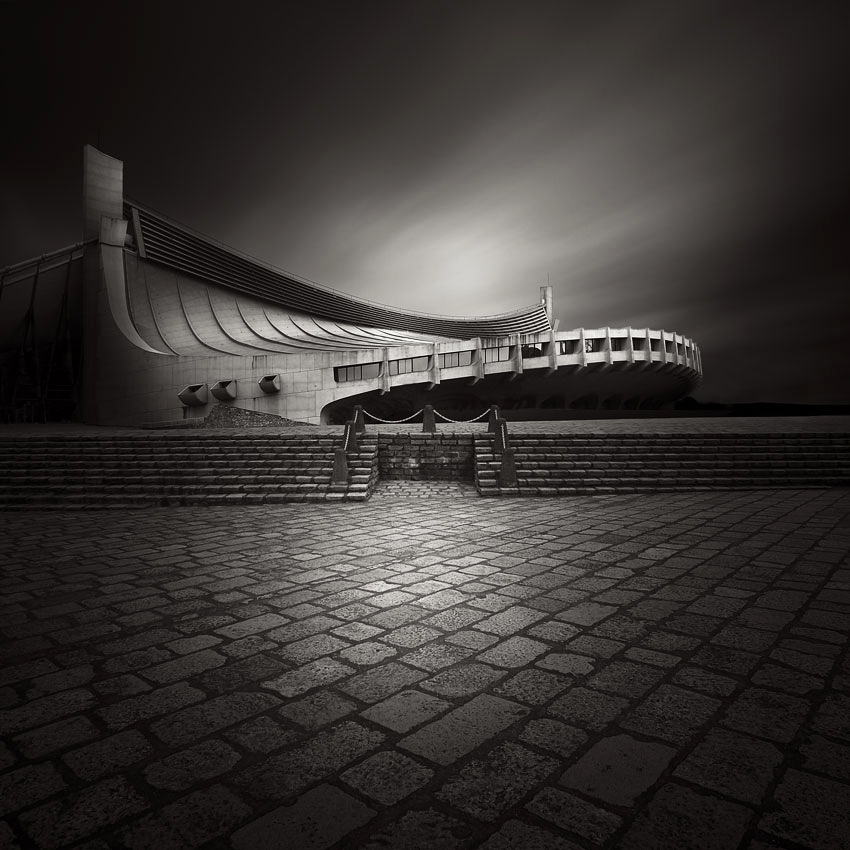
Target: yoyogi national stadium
{"x": 146, "y": 322}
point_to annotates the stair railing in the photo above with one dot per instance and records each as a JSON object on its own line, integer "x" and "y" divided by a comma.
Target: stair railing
{"x": 492, "y": 417}
{"x": 349, "y": 444}
{"x": 502, "y": 446}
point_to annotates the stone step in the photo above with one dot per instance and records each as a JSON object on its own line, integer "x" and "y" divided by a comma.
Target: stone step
{"x": 563, "y": 465}
{"x": 592, "y": 487}
{"x": 118, "y": 472}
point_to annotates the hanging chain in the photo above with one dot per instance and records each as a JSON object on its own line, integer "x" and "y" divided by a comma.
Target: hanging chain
{"x": 393, "y": 421}
{"x": 461, "y": 421}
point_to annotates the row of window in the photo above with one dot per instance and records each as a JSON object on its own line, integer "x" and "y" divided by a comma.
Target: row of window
{"x": 360, "y": 372}
{"x": 455, "y": 358}
{"x": 364, "y": 371}
{"x": 495, "y": 355}
{"x": 409, "y": 364}
{"x": 571, "y": 346}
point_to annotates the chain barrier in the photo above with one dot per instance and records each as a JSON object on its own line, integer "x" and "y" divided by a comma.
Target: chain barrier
{"x": 393, "y": 421}
{"x": 461, "y": 421}
{"x": 414, "y": 415}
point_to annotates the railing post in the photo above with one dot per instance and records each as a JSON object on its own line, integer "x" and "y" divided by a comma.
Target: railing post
{"x": 359, "y": 419}
{"x": 349, "y": 439}
{"x": 429, "y": 424}
{"x": 501, "y": 436}
{"x": 507, "y": 473}
{"x": 492, "y": 419}
{"x": 340, "y": 475}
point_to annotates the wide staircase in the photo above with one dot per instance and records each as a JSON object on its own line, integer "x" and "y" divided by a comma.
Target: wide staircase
{"x": 180, "y": 469}
{"x": 563, "y": 465}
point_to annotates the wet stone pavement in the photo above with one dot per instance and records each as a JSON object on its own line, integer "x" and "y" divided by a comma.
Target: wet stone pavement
{"x": 646, "y": 672}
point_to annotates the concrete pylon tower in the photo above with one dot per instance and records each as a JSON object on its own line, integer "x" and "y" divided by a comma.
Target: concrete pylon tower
{"x": 103, "y": 201}
{"x": 546, "y": 301}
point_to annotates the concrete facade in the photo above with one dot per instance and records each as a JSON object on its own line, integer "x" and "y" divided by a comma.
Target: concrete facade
{"x": 175, "y": 323}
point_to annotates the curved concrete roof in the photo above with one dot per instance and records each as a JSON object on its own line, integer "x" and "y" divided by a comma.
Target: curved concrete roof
{"x": 178, "y": 313}
{"x": 163, "y": 241}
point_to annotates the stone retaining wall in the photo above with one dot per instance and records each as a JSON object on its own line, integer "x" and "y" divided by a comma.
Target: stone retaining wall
{"x": 426, "y": 457}
{"x": 228, "y": 416}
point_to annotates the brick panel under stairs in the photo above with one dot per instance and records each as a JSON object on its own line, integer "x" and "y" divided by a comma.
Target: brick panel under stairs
{"x": 555, "y": 465}
{"x": 179, "y": 469}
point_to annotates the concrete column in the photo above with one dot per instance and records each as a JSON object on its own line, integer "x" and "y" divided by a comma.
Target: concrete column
{"x": 436, "y": 372}
{"x": 553, "y": 354}
{"x": 385, "y": 372}
{"x": 477, "y": 361}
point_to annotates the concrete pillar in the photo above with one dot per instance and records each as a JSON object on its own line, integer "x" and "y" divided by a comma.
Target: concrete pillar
{"x": 385, "y": 371}
{"x": 436, "y": 372}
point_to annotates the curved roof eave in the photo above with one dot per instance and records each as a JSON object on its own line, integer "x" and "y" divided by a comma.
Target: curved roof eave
{"x": 170, "y": 244}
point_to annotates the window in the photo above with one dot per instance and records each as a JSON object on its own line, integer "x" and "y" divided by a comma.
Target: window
{"x": 409, "y": 364}
{"x": 360, "y": 372}
{"x": 531, "y": 351}
{"x": 617, "y": 343}
{"x": 494, "y": 355}
{"x": 591, "y": 345}
{"x": 455, "y": 358}
{"x": 567, "y": 346}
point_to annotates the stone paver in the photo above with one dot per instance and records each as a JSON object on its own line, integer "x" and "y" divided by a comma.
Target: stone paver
{"x": 430, "y": 670}
{"x": 618, "y": 769}
{"x": 316, "y": 821}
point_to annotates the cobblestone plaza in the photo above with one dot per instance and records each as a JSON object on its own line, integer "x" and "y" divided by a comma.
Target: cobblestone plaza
{"x": 430, "y": 670}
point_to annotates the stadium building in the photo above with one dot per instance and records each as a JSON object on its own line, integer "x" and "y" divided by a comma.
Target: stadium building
{"x": 147, "y": 322}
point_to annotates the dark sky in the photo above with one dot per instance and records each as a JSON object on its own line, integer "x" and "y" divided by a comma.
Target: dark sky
{"x": 681, "y": 165}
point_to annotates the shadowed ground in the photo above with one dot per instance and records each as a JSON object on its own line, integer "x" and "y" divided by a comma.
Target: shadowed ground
{"x": 430, "y": 670}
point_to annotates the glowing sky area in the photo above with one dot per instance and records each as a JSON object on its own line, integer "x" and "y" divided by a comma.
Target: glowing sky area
{"x": 678, "y": 165}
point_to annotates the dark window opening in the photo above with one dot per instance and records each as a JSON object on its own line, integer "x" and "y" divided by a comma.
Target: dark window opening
{"x": 359, "y": 372}
{"x": 455, "y": 358}
{"x": 408, "y": 365}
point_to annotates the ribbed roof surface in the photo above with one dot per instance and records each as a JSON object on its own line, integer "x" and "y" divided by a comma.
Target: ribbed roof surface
{"x": 169, "y": 244}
